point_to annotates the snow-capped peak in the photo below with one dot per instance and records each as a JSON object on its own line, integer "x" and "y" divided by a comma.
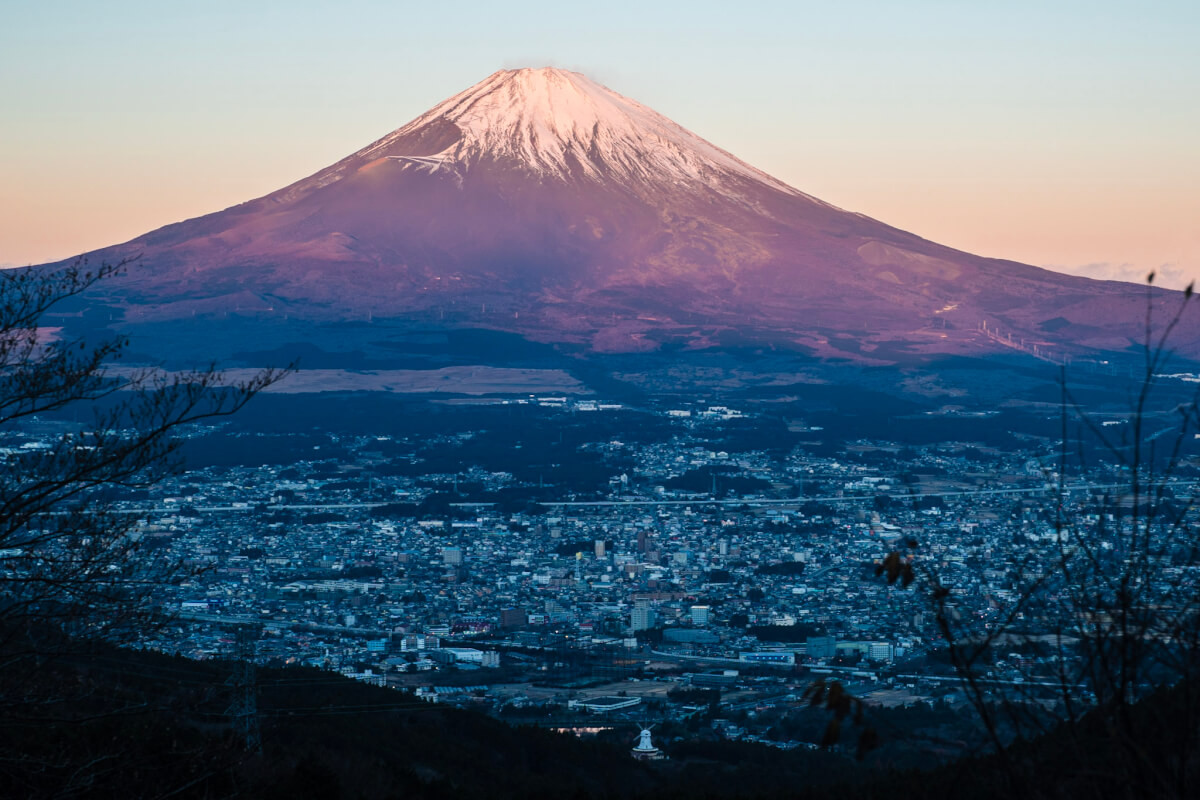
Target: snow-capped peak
{"x": 561, "y": 124}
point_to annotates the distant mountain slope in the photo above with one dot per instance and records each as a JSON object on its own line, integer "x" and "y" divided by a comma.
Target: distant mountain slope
{"x": 541, "y": 203}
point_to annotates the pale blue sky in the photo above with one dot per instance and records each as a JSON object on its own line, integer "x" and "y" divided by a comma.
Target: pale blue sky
{"x": 1057, "y": 133}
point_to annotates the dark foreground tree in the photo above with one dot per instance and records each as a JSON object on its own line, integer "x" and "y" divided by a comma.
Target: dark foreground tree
{"x": 72, "y": 567}
{"x": 1093, "y": 644}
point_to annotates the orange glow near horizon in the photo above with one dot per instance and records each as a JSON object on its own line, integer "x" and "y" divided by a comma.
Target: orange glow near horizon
{"x": 1028, "y": 131}
{"x": 1105, "y": 226}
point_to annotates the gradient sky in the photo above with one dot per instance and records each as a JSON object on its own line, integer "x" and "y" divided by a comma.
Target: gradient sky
{"x": 1063, "y": 134}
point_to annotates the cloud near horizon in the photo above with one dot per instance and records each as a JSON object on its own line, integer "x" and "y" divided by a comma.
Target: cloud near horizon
{"x": 1170, "y": 276}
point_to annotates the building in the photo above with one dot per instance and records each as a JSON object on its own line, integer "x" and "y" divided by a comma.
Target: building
{"x": 645, "y": 750}
{"x": 599, "y": 548}
{"x": 700, "y": 615}
{"x": 690, "y": 636}
{"x": 601, "y": 705}
{"x": 715, "y": 680}
{"x": 452, "y": 555}
{"x": 774, "y": 658}
{"x": 366, "y": 676}
{"x": 513, "y": 618}
{"x": 642, "y": 618}
{"x": 880, "y": 651}
{"x": 457, "y": 655}
{"x": 820, "y": 647}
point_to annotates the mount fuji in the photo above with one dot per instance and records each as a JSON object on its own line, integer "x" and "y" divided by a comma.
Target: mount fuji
{"x": 542, "y": 204}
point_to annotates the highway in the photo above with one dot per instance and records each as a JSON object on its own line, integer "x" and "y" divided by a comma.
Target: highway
{"x": 233, "y": 619}
{"x": 735, "y": 502}
{"x": 834, "y": 498}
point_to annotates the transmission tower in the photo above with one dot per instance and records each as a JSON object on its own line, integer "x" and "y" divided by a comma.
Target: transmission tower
{"x": 243, "y": 707}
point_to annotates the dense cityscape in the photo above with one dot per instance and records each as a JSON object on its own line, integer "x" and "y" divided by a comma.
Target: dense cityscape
{"x": 699, "y": 582}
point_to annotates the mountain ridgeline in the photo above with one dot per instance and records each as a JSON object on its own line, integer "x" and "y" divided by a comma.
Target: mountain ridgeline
{"x": 543, "y": 205}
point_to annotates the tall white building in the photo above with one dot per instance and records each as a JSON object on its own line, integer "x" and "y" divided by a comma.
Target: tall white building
{"x": 642, "y": 618}
{"x": 880, "y": 651}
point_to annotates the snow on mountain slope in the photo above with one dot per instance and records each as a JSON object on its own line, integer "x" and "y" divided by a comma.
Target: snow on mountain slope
{"x": 564, "y": 126}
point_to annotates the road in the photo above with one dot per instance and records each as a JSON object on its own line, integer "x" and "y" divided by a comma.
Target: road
{"x": 752, "y": 502}
{"x": 234, "y": 619}
{"x": 836, "y": 498}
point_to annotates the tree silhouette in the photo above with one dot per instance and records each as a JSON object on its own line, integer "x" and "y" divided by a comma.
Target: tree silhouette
{"x": 1100, "y": 636}
{"x": 71, "y": 565}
